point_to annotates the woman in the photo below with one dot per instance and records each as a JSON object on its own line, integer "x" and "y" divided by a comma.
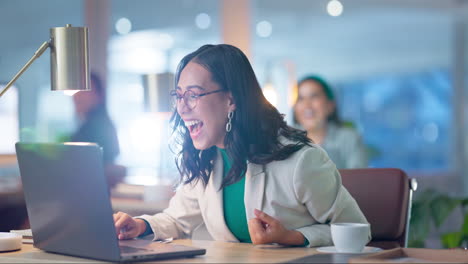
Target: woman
{"x": 246, "y": 174}
{"x": 315, "y": 110}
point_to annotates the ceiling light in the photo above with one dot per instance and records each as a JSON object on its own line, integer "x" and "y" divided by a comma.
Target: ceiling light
{"x": 123, "y": 26}
{"x": 334, "y": 8}
{"x": 264, "y": 29}
{"x": 203, "y": 21}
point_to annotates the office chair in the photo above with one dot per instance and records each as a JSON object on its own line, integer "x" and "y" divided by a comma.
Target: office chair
{"x": 384, "y": 196}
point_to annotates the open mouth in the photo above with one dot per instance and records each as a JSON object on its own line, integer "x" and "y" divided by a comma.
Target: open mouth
{"x": 194, "y": 126}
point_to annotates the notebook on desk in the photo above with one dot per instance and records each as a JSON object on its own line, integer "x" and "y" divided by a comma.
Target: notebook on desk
{"x": 69, "y": 206}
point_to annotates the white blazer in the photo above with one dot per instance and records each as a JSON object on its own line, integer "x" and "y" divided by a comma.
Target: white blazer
{"x": 304, "y": 192}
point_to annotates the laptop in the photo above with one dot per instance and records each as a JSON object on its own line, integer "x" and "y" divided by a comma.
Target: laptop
{"x": 69, "y": 208}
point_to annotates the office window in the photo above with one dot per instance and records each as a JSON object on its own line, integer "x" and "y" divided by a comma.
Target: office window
{"x": 405, "y": 119}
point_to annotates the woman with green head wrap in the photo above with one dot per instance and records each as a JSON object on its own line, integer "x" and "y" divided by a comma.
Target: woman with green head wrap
{"x": 316, "y": 112}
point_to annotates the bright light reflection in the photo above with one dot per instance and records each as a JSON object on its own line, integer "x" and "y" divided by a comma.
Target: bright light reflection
{"x": 80, "y": 143}
{"x": 9, "y": 121}
{"x": 144, "y": 60}
{"x": 334, "y": 8}
{"x": 141, "y": 51}
{"x": 147, "y": 139}
{"x": 123, "y": 26}
{"x": 70, "y": 92}
{"x": 145, "y": 134}
{"x": 203, "y": 21}
{"x": 264, "y": 29}
{"x": 270, "y": 93}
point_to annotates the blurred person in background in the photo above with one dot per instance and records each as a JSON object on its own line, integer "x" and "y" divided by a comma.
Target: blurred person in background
{"x": 97, "y": 127}
{"x": 315, "y": 111}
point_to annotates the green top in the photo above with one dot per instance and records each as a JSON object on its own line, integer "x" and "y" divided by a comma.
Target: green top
{"x": 233, "y": 203}
{"x": 234, "y": 206}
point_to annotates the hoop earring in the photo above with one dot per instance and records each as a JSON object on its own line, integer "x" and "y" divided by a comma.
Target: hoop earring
{"x": 229, "y": 123}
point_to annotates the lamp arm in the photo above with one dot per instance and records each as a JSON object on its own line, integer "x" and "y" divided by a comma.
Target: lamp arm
{"x": 36, "y": 55}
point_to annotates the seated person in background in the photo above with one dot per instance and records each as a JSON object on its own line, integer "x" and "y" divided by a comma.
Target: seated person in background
{"x": 316, "y": 112}
{"x": 245, "y": 173}
{"x": 97, "y": 127}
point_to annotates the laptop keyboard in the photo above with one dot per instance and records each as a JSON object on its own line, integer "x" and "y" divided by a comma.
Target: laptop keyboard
{"x": 130, "y": 250}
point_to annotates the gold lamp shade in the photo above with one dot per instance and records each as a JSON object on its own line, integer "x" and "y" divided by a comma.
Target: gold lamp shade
{"x": 69, "y": 59}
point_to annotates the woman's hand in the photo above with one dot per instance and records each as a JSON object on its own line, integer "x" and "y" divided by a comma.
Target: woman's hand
{"x": 265, "y": 229}
{"x": 128, "y": 227}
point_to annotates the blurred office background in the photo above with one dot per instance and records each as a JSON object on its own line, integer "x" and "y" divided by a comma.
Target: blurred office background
{"x": 398, "y": 68}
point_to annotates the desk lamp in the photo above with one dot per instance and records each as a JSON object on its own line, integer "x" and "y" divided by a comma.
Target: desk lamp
{"x": 68, "y": 59}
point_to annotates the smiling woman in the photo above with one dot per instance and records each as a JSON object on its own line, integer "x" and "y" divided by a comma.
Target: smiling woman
{"x": 316, "y": 112}
{"x": 245, "y": 173}
{"x": 207, "y": 120}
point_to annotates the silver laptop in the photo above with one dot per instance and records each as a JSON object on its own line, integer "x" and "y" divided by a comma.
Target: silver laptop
{"x": 69, "y": 205}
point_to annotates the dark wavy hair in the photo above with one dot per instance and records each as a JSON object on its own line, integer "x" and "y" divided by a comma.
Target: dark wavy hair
{"x": 256, "y": 125}
{"x": 327, "y": 90}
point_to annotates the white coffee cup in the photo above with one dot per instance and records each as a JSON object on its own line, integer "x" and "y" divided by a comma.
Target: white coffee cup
{"x": 10, "y": 241}
{"x": 350, "y": 237}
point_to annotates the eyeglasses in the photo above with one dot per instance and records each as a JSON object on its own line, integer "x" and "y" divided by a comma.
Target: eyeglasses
{"x": 190, "y": 97}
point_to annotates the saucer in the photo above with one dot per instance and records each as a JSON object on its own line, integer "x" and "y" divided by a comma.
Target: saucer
{"x": 332, "y": 249}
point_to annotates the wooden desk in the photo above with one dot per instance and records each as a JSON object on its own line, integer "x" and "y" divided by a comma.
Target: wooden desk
{"x": 216, "y": 252}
